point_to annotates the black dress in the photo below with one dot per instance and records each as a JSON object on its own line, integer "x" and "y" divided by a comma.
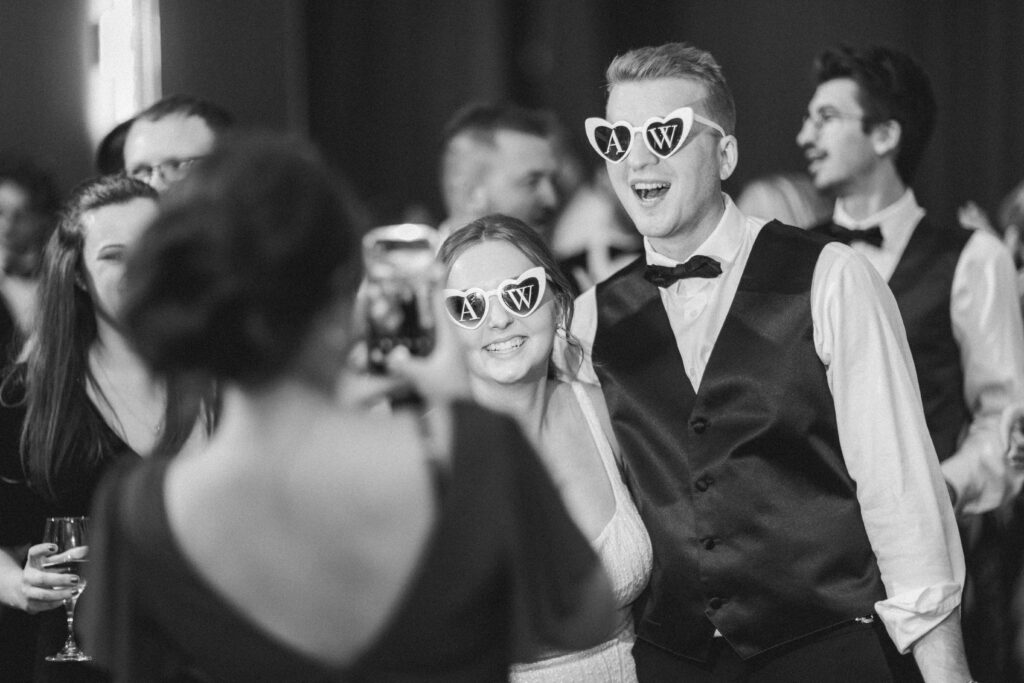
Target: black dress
{"x": 504, "y": 566}
{"x": 26, "y": 639}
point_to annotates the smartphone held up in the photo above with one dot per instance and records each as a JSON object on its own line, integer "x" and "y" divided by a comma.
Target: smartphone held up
{"x": 401, "y": 278}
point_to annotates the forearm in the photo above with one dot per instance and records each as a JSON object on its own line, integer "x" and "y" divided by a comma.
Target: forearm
{"x": 940, "y": 652}
{"x": 979, "y": 472}
{"x": 985, "y": 315}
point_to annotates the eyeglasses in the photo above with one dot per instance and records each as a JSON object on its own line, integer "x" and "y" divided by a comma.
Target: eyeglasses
{"x": 171, "y": 170}
{"x": 819, "y": 118}
{"x": 662, "y": 135}
{"x": 519, "y": 296}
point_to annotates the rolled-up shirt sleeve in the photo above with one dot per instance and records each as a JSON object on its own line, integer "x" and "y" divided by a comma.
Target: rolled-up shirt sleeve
{"x": 910, "y": 524}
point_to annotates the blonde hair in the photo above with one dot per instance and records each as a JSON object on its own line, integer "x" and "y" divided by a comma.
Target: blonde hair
{"x": 678, "y": 60}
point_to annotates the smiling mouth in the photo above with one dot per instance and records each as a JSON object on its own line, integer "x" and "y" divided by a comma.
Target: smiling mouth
{"x": 650, "y": 191}
{"x": 505, "y": 345}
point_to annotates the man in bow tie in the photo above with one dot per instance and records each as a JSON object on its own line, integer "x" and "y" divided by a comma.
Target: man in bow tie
{"x": 763, "y": 394}
{"x": 864, "y": 134}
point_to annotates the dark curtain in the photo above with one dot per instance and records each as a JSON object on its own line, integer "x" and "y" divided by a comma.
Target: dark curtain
{"x": 384, "y": 77}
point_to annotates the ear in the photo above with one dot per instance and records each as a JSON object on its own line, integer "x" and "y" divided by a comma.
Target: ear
{"x": 886, "y": 137}
{"x": 477, "y": 202}
{"x": 728, "y": 156}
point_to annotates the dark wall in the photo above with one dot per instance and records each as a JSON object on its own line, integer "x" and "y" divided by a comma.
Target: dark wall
{"x": 43, "y": 60}
{"x": 373, "y": 82}
{"x": 382, "y": 83}
{"x": 384, "y": 77}
{"x": 246, "y": 55}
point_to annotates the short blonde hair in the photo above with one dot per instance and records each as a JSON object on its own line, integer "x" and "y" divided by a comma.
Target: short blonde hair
{"x": 678, "y": 60}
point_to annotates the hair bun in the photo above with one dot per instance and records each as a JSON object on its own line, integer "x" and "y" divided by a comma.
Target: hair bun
{"x": 242, "y": 256}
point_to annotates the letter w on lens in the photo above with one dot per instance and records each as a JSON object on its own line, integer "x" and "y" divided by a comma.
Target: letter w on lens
{"x": 662, "y": 135}
{"x": 520, "y": 296}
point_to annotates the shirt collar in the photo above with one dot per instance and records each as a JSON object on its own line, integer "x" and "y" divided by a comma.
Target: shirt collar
{"x": 723, "y": 244}
{"x": 899, "y": 217}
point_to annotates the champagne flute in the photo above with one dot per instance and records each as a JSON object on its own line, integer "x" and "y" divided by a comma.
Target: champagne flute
{"x": 70, "y": 536}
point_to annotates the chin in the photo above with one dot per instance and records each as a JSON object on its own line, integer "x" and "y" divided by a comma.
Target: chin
{"x": 823, "y": 183}
{"x": 517, "y": 374}
{"x": 654, "y": 229}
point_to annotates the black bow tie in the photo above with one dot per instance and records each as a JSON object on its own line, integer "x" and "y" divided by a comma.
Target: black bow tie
{"x": 872, "y": 235}
{"x": 698, "y": 266}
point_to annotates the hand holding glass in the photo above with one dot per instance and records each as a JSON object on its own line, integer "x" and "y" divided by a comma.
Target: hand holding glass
{"x": 70, "y": 536}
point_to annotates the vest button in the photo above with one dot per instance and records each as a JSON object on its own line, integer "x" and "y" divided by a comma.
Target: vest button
{"x": 699, "y": 425}
{"x": 704, "y": 483}
{"x": 716, "y": 603}
{"x": 709, "y": 543}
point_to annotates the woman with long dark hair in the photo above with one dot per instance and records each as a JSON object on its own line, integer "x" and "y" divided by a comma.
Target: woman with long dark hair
{"x": 82, "y": 400}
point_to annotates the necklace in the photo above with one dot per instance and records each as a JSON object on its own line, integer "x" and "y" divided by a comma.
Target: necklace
{"x": 155, "y": 429}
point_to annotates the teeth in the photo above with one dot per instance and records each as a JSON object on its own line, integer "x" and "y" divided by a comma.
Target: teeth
{"x": 507, "y": 345}
{"x": 650, "y": 190}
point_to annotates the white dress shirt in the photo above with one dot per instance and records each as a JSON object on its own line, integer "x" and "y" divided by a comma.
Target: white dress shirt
{"x": 985, "y": 312}
{"x": 859, "y": 337}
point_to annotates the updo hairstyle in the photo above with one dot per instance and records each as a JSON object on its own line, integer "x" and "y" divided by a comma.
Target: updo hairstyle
{"x": 246, "y": 251}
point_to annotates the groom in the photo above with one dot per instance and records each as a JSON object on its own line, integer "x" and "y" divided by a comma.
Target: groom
{"x": 761, "y": 388}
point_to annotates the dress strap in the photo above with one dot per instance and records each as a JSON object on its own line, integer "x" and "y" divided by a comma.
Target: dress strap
{"x": 604, "y": 447}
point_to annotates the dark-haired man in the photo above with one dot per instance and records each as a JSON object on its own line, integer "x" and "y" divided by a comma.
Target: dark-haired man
{"x": 761, "y": 389}
{"x": 171, "y": 135}
{"x": 864, "y": 134}
{"x": 501, "y": 158}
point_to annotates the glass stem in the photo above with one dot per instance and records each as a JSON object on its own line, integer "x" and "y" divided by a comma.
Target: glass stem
{"x": 69, "y": 610}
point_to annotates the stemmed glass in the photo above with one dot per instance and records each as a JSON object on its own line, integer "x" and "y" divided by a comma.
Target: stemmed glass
{"x": 70, "y": 535}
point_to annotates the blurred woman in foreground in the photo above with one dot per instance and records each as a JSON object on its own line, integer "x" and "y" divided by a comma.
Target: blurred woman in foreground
{"x": 310, "y": 541}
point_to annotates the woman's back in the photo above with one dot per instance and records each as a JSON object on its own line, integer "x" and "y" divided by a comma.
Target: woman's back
{"x": 340, "y": 522}
{"x": 309, "y": 596}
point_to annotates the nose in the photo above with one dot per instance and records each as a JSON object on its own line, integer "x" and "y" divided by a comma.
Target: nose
{"x": 497, "y": 317}
{"x": 805, "y": 136}
{"x": 157, "y": 181}
{"x": 639, "y": 156}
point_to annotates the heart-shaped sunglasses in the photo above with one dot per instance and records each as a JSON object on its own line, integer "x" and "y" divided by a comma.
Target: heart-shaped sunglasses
{"x": 662, "y": 135}
{"x": 519, "y": 296}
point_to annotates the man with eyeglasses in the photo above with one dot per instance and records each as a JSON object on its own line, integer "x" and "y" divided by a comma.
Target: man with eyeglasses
{"x": 167, "y": 138}
{"x": 762, "y": 392}
{"x": 865, "y": 132}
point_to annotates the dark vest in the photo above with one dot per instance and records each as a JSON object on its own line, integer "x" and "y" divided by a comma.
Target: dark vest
{"x": 742, "y": 486}
{"x": 922, "y": 284}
